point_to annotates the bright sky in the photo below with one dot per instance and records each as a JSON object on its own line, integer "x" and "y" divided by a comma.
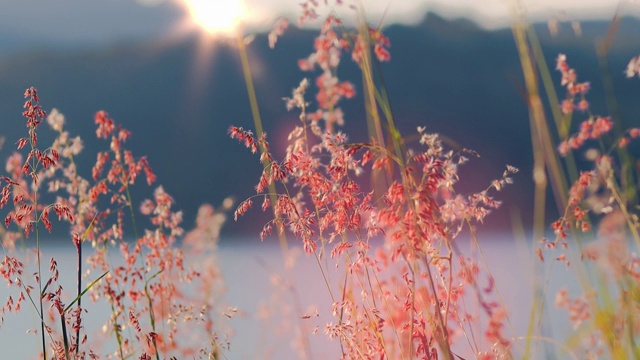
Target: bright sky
{"x": 94, "y": 21}
{"x": 491, "y": 13}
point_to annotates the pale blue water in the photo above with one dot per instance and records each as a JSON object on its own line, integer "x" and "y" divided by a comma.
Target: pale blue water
{"x": 249, "y": 266}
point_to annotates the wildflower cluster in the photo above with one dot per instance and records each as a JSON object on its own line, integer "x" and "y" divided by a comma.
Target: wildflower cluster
{"x": 420, "y": 216}
{"x": 402, "y": 297}
{"x": 149, "y": 284}
{"x": 605, "y": 197}
{"x": 334, "y": 39}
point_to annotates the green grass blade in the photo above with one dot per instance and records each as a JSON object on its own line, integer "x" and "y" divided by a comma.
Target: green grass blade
{"x": 84, "y": 291}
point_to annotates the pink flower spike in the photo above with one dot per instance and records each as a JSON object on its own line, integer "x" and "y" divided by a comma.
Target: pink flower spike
{"x": 278, "y": 30}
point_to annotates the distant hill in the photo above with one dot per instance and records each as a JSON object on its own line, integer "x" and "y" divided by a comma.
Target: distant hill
{"x": 452, "y": 76}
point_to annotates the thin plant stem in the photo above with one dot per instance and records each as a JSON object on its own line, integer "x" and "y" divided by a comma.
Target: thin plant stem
{"x": 116, "y": 327}
{"x": 79, "y": 251}
{"x": 144, "y": 273}
{"x": 443, "y": 340}
{"x": 79, "y": 246}
{"x": 563, "y": 123}
{"x": 65, "y": 339}
{"x": 131, "y": 211}
{"x": 44, "y": 349}
{"x": 34, "y": 166}
{"x": 79, "y": 281}
{"x": 257, "y": 121}
{"x": 152, "y": 318}
{"x": 602, "y": 50}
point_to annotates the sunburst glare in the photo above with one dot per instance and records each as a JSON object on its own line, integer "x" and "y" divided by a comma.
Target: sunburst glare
{"x": 216, "y": 17}
{"x": 213, "y": 20}
{"x": 216, "y": 23}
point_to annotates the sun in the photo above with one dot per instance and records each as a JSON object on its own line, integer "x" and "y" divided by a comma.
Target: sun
{"x": 216, "y": 17}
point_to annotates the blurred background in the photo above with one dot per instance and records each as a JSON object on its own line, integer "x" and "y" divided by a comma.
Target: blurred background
{"x": 169, "y": 71}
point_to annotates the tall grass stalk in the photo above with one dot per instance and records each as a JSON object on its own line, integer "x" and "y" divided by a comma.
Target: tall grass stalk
{"x": 599, "y": 296}
{"x": 257, "y": 121}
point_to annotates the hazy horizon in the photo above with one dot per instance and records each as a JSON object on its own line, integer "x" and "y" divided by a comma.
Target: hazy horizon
{"x": 80, "y": 22}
